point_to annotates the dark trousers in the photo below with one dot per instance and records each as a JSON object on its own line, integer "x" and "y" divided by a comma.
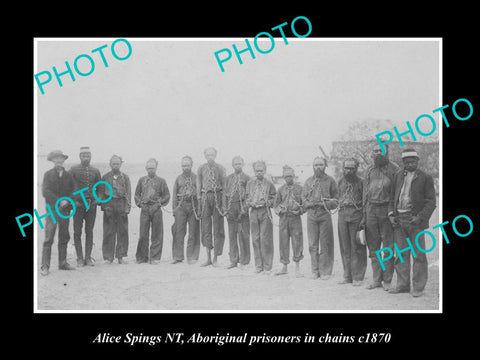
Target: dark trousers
{"x": 290, "y": 228}
{"x": 63, "y": 238}
{"x": 210, "y": 214}
{"x": 261, "y": 228}
{"x": 354, "y": 254}
{"x": 150, "y": 217}
{"x": 81, "y": 215}
{"x": 238, "y": 234}
{"x": 115, "y": 230}
{"x": 420, "y": 263}
{"x": 379, "y": 233}
{"x": 320, "y": 232}
{"x": 184, "y": 215}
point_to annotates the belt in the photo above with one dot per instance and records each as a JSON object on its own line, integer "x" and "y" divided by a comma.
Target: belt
{"x": 211, "y": 191}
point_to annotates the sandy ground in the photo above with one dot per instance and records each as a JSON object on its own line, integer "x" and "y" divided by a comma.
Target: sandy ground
{"x": 191, "y": 287}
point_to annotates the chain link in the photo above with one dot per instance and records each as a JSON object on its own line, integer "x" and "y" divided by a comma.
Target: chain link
{"x": 316, "y": 184}
{"x": 348, "y": 197}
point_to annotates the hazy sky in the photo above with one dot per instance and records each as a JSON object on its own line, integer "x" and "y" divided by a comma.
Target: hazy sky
{"x": 170, "y": 97}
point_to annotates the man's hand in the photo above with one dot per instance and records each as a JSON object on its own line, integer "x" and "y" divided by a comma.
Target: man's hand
{"x": 362, "y": 223}
{"x": 416, "y": 220}
{"x": 393, "y": 220}
{"x": 261, "y": 203}
{"x": 108, "y": 211}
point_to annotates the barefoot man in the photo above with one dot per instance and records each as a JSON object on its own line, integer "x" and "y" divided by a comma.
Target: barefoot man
{"x": 288, "y": 206}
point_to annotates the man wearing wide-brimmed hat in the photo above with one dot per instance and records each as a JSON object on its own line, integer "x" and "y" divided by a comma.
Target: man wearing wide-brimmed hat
{"x": 57, "y": 183}
{"x": 84, "y": 176}
{"x": 409, "y": 211}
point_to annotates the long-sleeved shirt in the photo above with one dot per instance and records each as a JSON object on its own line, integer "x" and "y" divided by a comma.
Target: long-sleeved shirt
{"x": 350, "y": 193}
{"x": 184, "y": 187}
{"x": 152, "y": 190}
{"x": 316, "y": 189}
{"x": 84, "y": 176}
{"x": 55, "y": 186}
{"x": 260, "y": 190}
{"x": 350, "y": 198}
{"x": 210, "y": 178}
{"x": 289, "y": 197}
{"x": 235, "y": 187}
{"x": 121, "y": 186}
{"x": 377, "y": 188}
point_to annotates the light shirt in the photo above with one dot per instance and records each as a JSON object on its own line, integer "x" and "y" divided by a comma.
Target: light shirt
{"x": 404, "y": 201}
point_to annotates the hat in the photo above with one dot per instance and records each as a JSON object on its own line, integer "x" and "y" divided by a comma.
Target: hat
{"x": 116, "y": 157}
{"x": 288, "y": 171}
{"x": 409, "y": 153}
{"x": 56, "y": 153}
{"x": 85, "y": 149}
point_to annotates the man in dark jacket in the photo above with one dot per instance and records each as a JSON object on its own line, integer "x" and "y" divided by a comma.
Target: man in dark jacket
{"x": 409, "y": 211}
{"x": 354, "y": 254}
{"x": 115, "y": 212}
{"x": 151, "y": 194}
{"x": 260, "y": 195}
{"x": 236, "y": 213}
{"x": 319, "y": 196}
{"x": 57, "y": 183}
{"x": 210, "y": 185}
{"x": 289, "y": 207}
{"x": 184, "y": 205}
{"x": 84, "y": 176}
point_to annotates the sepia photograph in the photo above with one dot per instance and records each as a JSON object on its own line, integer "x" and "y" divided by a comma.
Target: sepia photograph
{"x": 211, "y": 175}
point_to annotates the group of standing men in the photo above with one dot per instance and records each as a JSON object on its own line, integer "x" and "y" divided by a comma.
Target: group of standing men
{"x": 389, "y": 203}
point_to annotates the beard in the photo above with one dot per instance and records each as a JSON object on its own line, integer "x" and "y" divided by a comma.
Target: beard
{"x": 318, "y": 172}
{"x": 380, "y": 160}
{"x": 350, "y": 177}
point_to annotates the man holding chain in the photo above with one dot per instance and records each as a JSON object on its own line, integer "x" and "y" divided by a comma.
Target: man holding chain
{"x": 260, "y": 194}
{"x": 237, "y": 214}
{"x": 289, "y": 207}
{"x": 319, "y": 196}
{"x": 210, "y": 184}
{"x": 184, "y": 204}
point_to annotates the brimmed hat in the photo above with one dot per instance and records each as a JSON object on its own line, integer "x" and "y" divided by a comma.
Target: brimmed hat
{"x": 56, "y": 153}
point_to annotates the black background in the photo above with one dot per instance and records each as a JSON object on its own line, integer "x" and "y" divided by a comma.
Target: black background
{"x": 59, "y": 335}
